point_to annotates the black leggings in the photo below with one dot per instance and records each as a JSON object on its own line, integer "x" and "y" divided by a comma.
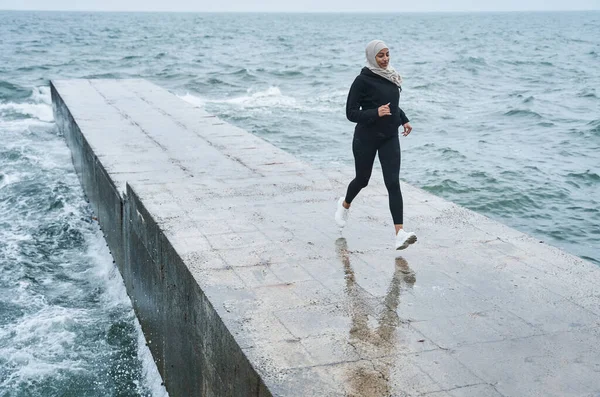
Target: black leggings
{"x": 364, "y": 149}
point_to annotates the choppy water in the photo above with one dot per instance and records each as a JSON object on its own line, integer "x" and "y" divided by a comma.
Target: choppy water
{"x": 505, "y": 110}
{"x": 66, "y": 324}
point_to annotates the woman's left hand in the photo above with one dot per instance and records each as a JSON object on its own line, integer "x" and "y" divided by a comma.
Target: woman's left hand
{"x": 407, "y": 129}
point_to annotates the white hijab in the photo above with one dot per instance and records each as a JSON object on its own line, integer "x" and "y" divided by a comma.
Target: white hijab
{"x": 389, "y": 73}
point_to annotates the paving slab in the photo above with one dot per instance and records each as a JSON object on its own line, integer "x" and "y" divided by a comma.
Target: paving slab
{"x": 244, "y": 285}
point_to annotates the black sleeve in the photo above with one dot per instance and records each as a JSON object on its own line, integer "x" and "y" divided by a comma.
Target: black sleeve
{"x": 353, "y": 111}
{"x": 403, "y": 118}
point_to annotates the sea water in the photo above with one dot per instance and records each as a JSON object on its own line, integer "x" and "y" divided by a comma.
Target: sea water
{"x": 505, "y": 109}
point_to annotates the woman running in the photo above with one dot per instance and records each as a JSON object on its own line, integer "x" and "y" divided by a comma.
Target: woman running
{"x": 373, "y": 105}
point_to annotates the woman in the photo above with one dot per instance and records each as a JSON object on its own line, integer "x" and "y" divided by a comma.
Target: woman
{"x": 373, "y": 104}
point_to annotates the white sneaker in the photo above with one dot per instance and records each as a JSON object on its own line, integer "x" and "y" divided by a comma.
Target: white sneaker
{"x": 404, "y": 239}
{"x": 341, "y": 213}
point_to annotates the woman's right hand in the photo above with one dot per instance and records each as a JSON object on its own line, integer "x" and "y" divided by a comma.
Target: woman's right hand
{"x": 384, "y": 110}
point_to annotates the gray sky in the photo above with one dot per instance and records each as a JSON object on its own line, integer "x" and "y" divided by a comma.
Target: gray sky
{"x": 300, "y": 5}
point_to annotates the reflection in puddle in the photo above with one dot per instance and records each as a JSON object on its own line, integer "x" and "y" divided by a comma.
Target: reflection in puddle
{"x": 375, "y": 336}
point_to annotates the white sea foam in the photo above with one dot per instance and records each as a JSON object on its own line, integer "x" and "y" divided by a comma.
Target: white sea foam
{"x": 31, "y": 368}
{"x": 39, "y": 342}
{"x": 38, "y": 106}
{"x": 41, "y": 95}
{"x": 105, "y": 270}
{"x": 194, "y": 100}
{"x": 269, "y": 98}
{"x": 8, "y": 179}
{"x": 40, "y": 111}
{"x": 43, "y": 341}
{"x": 152, "y": 378}
{"x": 48, "y": 328}
{"x": 273, "y": 98}
{"x": 333, "y": 97}
{"x": 116, "y": 295}
{"x": 23, "y": 126}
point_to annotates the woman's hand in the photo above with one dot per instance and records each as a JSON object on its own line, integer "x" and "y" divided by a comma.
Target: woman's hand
{"x": 407, "y": 129}
{"x": 384, "y": 110}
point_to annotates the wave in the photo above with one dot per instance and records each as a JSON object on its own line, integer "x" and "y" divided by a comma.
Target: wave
{"x": 194, "y": 100}
{"x": 104, "y": 76}
{"x": 272, "y": 98}
{"x": 334, "y": 98}
{"x": 38, "y": 106}
{"x": 523, "y": 113}
{"x": 37, "y": 341}
{"x": 131, "y": 57}
{"x": 588, "y": 177}
{"x": 243, "y": 73}
{"x": 283, "y": 74}
{"x": 519, "y": 62}
{"x": 67, "y": 319}
{"x": 447, "y": 186}
{"x": 546, "y": 124}
{"x": 484, "y": 178}
{"x": 8, "y": 179}
{"x": 529, "y": 99}
{"x": 587, "y": 93}
{"x": 40, "y": 111}
{"x": 269, "y": 98}
{"x": 426, "y": 86}
{"x": 449, "y": 153}
{"x": 13, "y": 92}
{"x": 214, "y": 81}
{"x": 471, "y": 61}
{"x": 594, "y": 126}
{"x": 41, "y": 95}
{"x": 32, "y": 68}
{"x": 514, "y": 203}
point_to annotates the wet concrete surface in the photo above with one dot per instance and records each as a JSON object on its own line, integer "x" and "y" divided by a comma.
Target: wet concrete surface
{"x": 474, "y": 308}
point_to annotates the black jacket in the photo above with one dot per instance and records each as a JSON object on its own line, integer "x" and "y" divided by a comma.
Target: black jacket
{"x": 368, "y": 92}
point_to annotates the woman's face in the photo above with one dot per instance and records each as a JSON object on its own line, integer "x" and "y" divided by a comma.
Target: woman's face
{"x": 383, "y": 58}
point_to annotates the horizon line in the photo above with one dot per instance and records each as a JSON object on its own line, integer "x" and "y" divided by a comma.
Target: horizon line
{"x": 298, "y": 12}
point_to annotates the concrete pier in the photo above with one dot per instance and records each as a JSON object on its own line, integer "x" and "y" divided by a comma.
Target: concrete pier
{"x": 244, "y": 286}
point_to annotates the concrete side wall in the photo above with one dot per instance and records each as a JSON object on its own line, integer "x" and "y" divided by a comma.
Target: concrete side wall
{"x": 184, "y": 332}
{"x": 195, "y": 353}
{"x": 100, "y": 190}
